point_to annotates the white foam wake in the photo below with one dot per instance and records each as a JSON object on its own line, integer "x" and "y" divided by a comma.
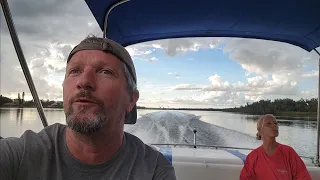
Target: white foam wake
{"x": 177, "y": 127}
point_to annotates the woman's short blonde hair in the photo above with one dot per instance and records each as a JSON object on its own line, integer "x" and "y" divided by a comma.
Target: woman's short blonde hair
{"x": 260, "y": 124}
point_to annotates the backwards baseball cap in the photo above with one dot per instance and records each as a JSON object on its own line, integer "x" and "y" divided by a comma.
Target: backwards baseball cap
{"x": 116, "y": 49}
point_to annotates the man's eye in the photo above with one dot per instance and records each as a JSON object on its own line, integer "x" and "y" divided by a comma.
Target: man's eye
{"x": 74, "y": 71}
{"x": 104, "y": 71}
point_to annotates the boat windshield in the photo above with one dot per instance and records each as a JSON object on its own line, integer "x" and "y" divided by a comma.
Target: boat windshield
{"x": 218, "y": 86}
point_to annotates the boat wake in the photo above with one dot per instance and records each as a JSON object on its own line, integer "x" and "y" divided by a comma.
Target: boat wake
{"x": 177, "y": 127}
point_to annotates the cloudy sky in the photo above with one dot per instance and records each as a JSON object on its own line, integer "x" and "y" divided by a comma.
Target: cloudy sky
{"x": 189, "y": 72}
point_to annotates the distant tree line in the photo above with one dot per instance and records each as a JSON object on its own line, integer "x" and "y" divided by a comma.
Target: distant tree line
{"x": 20, "y": 102}
{"x": 302, "y": 107}
{"x": 278, "y": 107}
{"x": 4, "y": 100}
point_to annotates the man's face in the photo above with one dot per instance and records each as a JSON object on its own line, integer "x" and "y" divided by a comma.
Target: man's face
{"x": 95, "y": 91}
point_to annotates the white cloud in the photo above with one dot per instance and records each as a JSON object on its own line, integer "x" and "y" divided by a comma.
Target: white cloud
{"x": 277, "y": 67}
{"x": 151, "y": 60}
{"x": 273, "y": 69}
{"x": 46, "y": 45}
{"x": 255, "y": 56}
{"x": 256, "y": 88}
{"x": 186, "y": 87}
{"x": 157, "y": 46}
{"x": 208, "y": 99}
{"x": 176, "y": 75}
{"x": 216, "y": 84}
{"x": 308, "y": 94}
{"x": 133, "y": 51}
{"x": 174, "y": 47}
{"x": 313, "y": 73}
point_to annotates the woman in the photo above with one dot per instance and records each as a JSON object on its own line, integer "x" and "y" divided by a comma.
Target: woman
{"x": 272, "y": 160}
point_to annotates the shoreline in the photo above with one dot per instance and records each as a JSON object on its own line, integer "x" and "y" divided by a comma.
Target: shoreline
{"x": 286, "y": 118}
{"x": 302, "y": 116}
{"x": 293, "y": 116}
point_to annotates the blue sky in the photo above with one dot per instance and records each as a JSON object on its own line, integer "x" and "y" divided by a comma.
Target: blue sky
{"x": 188, "y": 72}
{"x": 160, "y": 71}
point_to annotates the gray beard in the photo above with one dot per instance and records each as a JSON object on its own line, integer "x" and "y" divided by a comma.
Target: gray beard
{"x": 86, "y": 125}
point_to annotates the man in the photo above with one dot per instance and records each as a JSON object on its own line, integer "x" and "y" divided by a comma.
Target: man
{"x": 99, "y": 95}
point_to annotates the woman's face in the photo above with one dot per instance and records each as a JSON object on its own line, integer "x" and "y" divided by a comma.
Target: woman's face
{"x": 269, "y": 128}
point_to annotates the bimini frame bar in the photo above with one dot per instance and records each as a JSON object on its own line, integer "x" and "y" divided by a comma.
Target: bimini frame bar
{"x": 317, "y": 162}
{"x": 318, "y": 116}
{"x": 22, "y": 60}
{"x": 105, "y": 33}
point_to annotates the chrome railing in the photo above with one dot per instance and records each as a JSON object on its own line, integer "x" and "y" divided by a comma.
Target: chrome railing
{"x": 195, "y": 145}
{"x": 201, "y": 145}
{"x": 221, "y": 147}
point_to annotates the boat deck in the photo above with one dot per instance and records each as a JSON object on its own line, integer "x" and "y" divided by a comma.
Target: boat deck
{"x": 205, "y": 164}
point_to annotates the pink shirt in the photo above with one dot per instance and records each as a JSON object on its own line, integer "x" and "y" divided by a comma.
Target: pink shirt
{"x": 284, "y": 164}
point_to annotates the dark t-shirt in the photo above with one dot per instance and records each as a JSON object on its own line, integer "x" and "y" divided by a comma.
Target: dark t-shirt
{"x": 45, "y": 155}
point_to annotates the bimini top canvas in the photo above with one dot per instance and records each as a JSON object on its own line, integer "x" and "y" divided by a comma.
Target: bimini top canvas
{"x": 292, "y": 21}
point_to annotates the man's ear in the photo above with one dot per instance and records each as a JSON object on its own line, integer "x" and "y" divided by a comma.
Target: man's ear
{"x": 134, "y": 96}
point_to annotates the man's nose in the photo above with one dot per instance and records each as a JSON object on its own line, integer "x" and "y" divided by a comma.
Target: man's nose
{"x": 87, "y": 80}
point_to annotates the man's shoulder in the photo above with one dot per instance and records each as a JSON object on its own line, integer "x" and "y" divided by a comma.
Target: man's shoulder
{"x": 139, "y": 144}
{"x": 52, "y": 131}
{"x": 16, "y": 153}
{"x": 163, "y": 168}
{"x": 145, "y": 149}
{"x": 31, "y": 137}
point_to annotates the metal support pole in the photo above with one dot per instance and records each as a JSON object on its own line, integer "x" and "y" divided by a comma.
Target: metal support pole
{"x": 318, "y": 114}
{"x": 195, "y": 138}
{"x": 107, "y": 16}
{"x": 22, "y": 60}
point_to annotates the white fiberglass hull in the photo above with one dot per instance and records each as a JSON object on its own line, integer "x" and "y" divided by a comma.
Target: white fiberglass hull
{"x": 205, "y": 164}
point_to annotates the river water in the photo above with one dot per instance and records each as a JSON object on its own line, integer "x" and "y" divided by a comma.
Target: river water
{"x": 213, "y": 128}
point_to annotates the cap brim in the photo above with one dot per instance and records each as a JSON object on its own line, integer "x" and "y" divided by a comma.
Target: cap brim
{"x": 131, "y": 118}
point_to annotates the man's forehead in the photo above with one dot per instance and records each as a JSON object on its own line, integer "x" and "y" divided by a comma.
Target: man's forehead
{"x": 93, "y": 56}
